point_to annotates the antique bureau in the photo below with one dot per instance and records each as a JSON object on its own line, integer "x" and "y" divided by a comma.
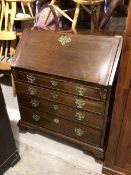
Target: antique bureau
{"x": 63, "y": 84}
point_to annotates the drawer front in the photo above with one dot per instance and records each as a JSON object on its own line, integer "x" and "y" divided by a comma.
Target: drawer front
{"x": 80, "y": 103}
{"x": 69, "y": 87}
{"x": 86, "y": 118}
{"x": 65, "y": 127}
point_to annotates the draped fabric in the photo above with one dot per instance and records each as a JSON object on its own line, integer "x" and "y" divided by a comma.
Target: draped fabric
{"x": 41, "y": 12}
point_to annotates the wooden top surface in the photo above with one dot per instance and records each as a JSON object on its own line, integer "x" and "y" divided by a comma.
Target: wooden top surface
{"x": 87, "y": 57}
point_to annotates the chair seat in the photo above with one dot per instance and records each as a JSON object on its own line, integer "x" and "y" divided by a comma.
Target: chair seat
{"x": 4, "y": 65}
{"x": 88, "y": 2}
{"x": 5, "y": 35}
{"x": 23, "y": 17}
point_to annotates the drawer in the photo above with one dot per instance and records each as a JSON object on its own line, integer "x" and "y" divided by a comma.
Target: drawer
{"x": 92, "y": 92}
{"x": 86, "y": 118}
{"x": 80, "y": 103}
{"x": 60, "y": 125}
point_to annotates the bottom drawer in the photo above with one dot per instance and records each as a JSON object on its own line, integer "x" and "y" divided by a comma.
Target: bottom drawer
{"x": 60, "y": 125}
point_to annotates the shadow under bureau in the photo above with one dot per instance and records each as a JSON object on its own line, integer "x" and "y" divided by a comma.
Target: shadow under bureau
{"x": 63, "y": 84}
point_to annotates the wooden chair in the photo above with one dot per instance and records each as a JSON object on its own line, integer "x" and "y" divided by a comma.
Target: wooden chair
{"x": 7, "y": 34}
{"x": 93, "y": 11}
{"x": 24, "y": 12}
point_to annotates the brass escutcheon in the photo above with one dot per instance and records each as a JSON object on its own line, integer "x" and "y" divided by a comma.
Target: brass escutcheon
{"x": 80, "y": 90}
{"x": 56, "y": 120}
{"x": 64, "y": 39}
{"x": 54, "y": 83}
{"x": 79, "y": 132}
{"x": 55, "y": 107}
{"x": 79, "y": 116}
{"x": 34, "y": 103}
{"x": 105, "y": 94}
{"x": 80, "y": 103}
{"x": 54, "y": 96}
{"x": 35, "y": 117}
{"x": 30, "y": 78}
{"x": 32, "y": 90}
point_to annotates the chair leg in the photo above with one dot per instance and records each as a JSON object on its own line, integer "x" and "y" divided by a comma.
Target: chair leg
{"x": 86, "y": 9}
{"x": 62, "y": 12}
{"x": 4, "y": 65}
{"x": 2, "y": 15}
{"x": 75, "y": 19}
{"x": 98, "y": 12}
{"x": 55, "y": 16}
{"x": 23, "y": 8}
{"x": 1, "y": 49}
{"x": 30, "y": 9}
{"x": 12, "y": 48}
{"x": 94, "y": 22}
{"x": 6, "y": 15}
{"x": 13, "y": 13}
{"x": 6, "y": 50}
{"x": 48, "y": 12}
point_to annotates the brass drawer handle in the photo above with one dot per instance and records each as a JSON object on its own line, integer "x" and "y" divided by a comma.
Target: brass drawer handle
{"x": 105, "y": 94}
{"x": 79, "y": 116}
{"x": 80, "y": 90}
{"x": 34, "y": 103}
{"x": 35, "y": 117}
{"x": 54, "y": 83}
{"x": 32, "y": 90}
{"x": 80, "y": 103}
{"x": 55, "y": 107}
{"x": 79, "y": 132}
{"x": 30, "y": 78}
{"x": 56, "y": 121}
{"x": 54, "y": 96}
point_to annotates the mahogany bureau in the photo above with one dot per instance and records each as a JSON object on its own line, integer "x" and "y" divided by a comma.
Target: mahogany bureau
{"x": 63, "y": 84}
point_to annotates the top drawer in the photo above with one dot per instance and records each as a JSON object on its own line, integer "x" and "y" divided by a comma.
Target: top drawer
{"x": 62, "y": 85}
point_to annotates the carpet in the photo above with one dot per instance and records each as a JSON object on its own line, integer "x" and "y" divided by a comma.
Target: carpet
{"x": 35, "y": 162}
